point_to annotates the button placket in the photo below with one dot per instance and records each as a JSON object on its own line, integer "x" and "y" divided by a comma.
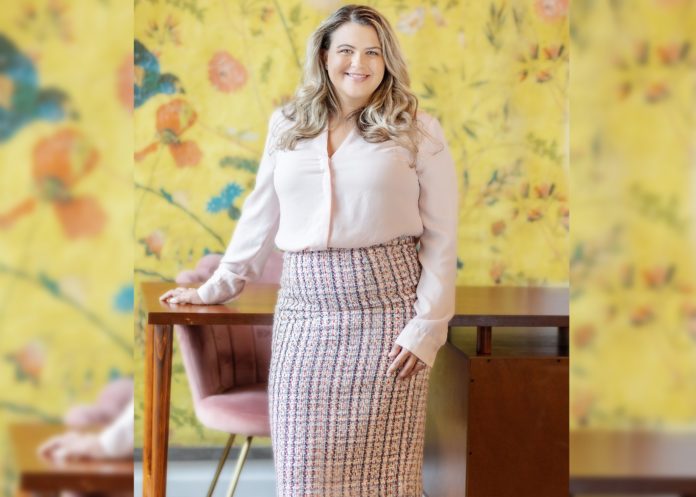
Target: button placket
{"x": 328, "y": 197}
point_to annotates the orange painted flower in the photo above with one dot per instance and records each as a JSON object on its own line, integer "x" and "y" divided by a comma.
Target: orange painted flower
{"x": 658, "y": 276}
{"x": 497, "y": 271}
{"x": 583, "y": 335}
{"x": 60, "y": 161}
{"x": 543, "y": 190}
{"x": 226, "y": 73}
{"x": 656, "y": 92}
{"x": 642, "y": 315}
{"x": 125, "y": 77}
{"x": 551, "y": 10}
{"x": 543, "y": 76}
{"x": 534, "y": 215}
{"x": 154, "y": 243}
{"x": 498, "y": 228}
{"x": 173, "y": 119}
{"x": 29, "y": 361}
{"x": 581, "y": 406}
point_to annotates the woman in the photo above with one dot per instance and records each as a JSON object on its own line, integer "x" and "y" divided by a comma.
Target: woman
{"x": 359, "y": 190}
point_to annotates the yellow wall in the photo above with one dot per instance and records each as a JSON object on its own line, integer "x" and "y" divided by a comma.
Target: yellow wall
{"x": 633, "y": 276}
{"x": 495, "y": 73}
{"x": 66, "y": 207}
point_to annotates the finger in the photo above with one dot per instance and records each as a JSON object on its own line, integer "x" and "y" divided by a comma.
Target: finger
{"x": 394, "y": 350}
{"x": 49, "y": 446}
{"x": 408, "y": 367}
{"x": 167, "y": 294}
{"x": 417, "y": 368}
{"x": 397, "y": 362}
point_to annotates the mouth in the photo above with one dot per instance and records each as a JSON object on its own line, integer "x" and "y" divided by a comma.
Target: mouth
{"x": 357, "y": 76}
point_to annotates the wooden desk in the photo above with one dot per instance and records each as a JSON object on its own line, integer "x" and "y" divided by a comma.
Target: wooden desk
{"x": 39, "y": 476}
{"x": 482, "y": 307}
{"x": 608, "y": 462}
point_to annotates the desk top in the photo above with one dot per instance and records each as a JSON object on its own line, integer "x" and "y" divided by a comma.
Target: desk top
{"x": 474, "y": 306}
{"x": 38, "y": 475}
{"x": 638, "y": 461}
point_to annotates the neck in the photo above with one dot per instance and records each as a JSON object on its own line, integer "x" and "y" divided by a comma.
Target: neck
{"x": 346, "y": 109}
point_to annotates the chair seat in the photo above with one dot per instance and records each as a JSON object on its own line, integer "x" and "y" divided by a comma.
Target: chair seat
{"x": 241, "y": 410}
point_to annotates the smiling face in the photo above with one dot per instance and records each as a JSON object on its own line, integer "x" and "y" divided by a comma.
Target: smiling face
{"x": 355, "y": 64}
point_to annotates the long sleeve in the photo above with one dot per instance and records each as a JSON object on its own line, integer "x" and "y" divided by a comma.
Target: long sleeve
{"x": 438, "y": 206}
{"x": 253, "y": 237}
{"x": 117, "y": 439}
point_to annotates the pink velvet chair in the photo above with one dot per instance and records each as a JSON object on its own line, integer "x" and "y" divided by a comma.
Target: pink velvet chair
{"x": 227, "y": 370}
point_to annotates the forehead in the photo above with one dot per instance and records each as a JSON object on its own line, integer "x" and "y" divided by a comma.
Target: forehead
{"x": 357, "y": 35}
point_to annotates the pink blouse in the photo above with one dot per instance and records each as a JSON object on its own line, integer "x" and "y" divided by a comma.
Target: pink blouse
{"x": 365, "y": 194}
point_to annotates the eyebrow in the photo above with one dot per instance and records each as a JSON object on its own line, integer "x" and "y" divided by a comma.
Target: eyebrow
{"x": 351, "y": 46}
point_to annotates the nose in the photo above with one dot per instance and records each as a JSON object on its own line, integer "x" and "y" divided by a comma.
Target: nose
{"x": 356, "y": 60}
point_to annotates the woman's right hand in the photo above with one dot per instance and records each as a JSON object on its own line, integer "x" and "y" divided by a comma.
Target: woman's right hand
{"x": 181, "y": 295}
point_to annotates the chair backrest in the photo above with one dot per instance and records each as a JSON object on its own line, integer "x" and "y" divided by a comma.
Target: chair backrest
{"x": 218, "y": 358}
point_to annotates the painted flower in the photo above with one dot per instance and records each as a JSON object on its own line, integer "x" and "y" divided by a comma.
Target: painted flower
{"x": 124, "y": 298}
{"x": 125, "y": 79}
{"x": 226, "y": 73}
{"x": 498, "y": 228}
{"x": 551, "y": 10}
{"x": 225, "y": 201}
{"x": 173, "y": 119}
{"x": 60, "y": 161}
{"x": 658, "y": 276}
{"x": 641, "y": 315}
{"x": 583, "y": 335}
{"x": 544, "y": 190}
{"x": 581, "y": 405}
{"x": 153, "y": 243}
{"x": 411, "y": 22}
{"x": 497, "y": 271}
{"x": 29, "y": 361}
{"x": 534, "y": 215}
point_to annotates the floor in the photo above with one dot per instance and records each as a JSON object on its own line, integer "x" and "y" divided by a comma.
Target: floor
{"x": 185, "y": 478}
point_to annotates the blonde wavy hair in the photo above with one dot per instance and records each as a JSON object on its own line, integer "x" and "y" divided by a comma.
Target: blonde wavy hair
{"x": 389, "y": 114}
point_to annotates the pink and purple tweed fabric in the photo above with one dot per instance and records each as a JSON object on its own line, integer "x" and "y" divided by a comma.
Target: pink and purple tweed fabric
{"x": 340, "y": 426}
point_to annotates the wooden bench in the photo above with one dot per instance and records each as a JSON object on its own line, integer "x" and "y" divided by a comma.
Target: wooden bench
{"x": 37, "y": 476}
{"x": 611, "y": 462}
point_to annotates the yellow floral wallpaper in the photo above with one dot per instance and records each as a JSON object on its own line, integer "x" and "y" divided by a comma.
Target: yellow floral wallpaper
{"x": 66, "y": 207}
{"x": 209, "y": 73}
{"x": 633, "y": 275}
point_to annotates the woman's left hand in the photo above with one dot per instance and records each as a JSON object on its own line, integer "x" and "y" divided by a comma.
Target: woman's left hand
{"x": 181, "y": 295}
{"x": 405, "y": 360}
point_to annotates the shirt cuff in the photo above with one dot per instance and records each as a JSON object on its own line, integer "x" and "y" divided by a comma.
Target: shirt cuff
{"x": 219, "y": 289}
{"x": 423, "y": 338}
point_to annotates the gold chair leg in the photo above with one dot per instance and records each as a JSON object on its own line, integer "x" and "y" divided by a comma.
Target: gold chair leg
{"x": 221, "y": 463}
{"x": 238, "y": 469}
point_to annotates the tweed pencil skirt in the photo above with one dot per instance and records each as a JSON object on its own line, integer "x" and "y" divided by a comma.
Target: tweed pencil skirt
{"x": 340, "y": 425}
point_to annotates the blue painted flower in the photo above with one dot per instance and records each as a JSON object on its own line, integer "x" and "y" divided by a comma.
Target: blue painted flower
{"x": 226, "y": 198}
{"x": 123, "y": 301}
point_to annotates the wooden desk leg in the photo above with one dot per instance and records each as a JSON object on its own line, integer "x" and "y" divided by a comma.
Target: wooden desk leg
{"x": 483, "y": 340}
{"x": 563, "y": 340}
{"x": 147, "y": 412}
{"x": 158, "y": 356}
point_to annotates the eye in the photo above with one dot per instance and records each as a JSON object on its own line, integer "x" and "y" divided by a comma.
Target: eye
{"x": 345, "y": 50}
{"x": 372, "y": 52}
